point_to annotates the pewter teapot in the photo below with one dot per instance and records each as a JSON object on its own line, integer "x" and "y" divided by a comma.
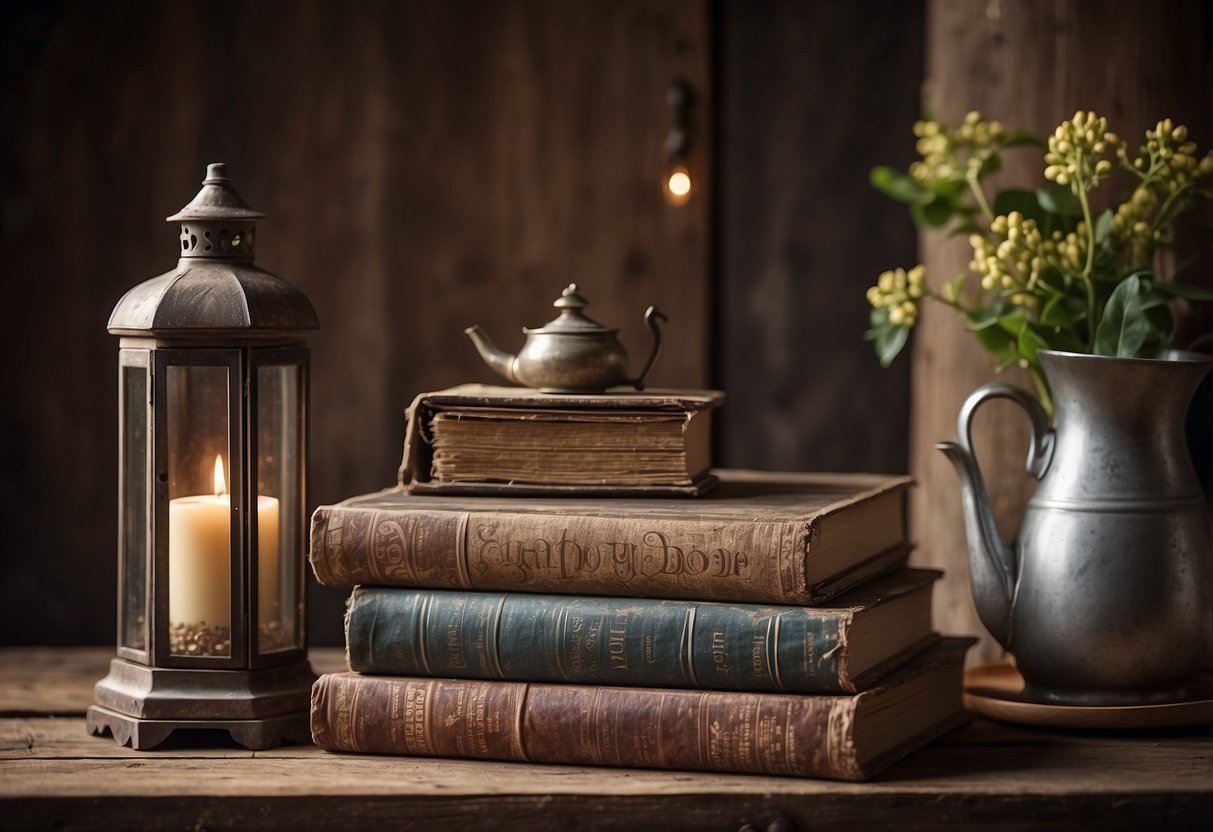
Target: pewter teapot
{"x": 1103, "y": 599}
{"x": 572, "y": 353}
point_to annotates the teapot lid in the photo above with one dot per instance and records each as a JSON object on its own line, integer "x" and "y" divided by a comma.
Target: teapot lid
{"x": 571, "y": 320}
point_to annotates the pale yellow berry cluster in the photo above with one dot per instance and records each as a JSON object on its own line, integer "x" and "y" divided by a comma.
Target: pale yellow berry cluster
{"x": 1013, "y": 263}
{"x": 1168, "y": 166}
{"x": 1076, "y": 151}
{"x": 938, "y": 147}
{"x": 899, "y": 291}
{"x": 1133, "y": 224}
{"x": 1168, "y": 153}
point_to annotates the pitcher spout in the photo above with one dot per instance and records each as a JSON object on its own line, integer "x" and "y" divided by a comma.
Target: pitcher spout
{"x": 991, "y": 560}
{"x": 502, "y": 362}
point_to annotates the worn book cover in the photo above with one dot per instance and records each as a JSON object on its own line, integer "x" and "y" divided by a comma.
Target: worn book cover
{"x": 840, "y": 737}
{"x": 483, "y": 439}
{"x": 840, "y": 647}
{"x": 759, "y": 536}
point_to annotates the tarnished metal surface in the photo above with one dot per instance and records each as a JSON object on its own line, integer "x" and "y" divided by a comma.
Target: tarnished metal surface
{"x": 1104, "y": 596}
{"x": 572, "y": 353}
{"x": 216, "y": 290}
{"x": 216, "y": 310}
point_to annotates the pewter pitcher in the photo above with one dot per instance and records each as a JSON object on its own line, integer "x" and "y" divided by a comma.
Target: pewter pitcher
{"x": 1105, "y": 596}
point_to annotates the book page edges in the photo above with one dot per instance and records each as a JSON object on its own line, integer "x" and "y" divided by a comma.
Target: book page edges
{"x": 871, "y": 521}
{"x": 481, "y": 395}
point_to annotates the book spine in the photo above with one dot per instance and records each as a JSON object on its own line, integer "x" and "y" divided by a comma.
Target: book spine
{"x": 583, "y": 555}
{"x": 633, "y": 641}
{"x": 584, "y": 725}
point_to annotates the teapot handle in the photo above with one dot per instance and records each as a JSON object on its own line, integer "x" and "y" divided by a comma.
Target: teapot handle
{"x": 651, "y": 316}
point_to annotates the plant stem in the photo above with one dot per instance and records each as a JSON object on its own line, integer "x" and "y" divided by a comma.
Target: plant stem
{"x": 1088, "y": 284}
{"x": 975, "y": 187}
{"x": 955, "y": 304}
{"x": 1167, "y": 203}
{"x": 1042, "y": 388}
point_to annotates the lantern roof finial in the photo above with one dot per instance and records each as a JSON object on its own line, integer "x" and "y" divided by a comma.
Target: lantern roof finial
{"x": 217, "y": 200}
{"x": 216, "y": 290}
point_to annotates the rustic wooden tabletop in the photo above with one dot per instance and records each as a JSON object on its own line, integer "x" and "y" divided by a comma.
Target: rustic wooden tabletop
{"x": 54, "y": 775}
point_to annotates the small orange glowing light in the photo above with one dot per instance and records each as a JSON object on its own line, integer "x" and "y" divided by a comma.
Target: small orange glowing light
{"x": 678, "y": 186}
{"x": 220, "y": 481}
{"x": 680, "y": 183}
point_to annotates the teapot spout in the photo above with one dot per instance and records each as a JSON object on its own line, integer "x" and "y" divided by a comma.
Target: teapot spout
{"x": 501, "y": 362}
{"x": 991, "y": 560}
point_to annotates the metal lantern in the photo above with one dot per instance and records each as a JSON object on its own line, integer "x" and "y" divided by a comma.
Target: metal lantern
{"x": 212, "y": 415}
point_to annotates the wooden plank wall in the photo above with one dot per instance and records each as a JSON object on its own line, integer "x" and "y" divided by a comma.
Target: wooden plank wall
{"x": 811, "y": 96}
{"x": 425, "y": 166}
{"x": 1134, "y": 63}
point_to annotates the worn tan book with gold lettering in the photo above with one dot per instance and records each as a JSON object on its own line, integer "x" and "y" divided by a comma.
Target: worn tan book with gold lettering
{"x": 484, "y": 439}
{"x": 839, "y": 737}
{"x": 759, "y": 536}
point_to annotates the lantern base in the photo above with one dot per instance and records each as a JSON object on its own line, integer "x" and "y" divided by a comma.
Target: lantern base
{"x": 253, "y": 734}
{"x": 141, "y": 706}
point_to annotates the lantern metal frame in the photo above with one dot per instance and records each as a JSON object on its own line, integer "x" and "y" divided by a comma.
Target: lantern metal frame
{"x": 216, "y": 309}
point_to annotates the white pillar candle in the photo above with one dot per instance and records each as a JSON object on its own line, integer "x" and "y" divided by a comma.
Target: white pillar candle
{"x": 268, "y": 574}
{"x": 199, "y": 560}
{"x": 199, "y": 555}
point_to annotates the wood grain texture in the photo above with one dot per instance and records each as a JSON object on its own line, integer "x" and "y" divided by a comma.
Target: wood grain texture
{"x": 1029, "y": 64}
{"x": 810, "y": 98}
{"x": 424, "y": 167}
{"x": 1000, "y": 777}
{"x": 53, "y": 774}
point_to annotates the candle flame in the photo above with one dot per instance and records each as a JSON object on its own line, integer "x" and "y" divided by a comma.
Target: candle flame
{"x": 220, "y": 482}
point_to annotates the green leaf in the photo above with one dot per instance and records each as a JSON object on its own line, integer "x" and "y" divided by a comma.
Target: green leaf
{"x": 958, "y": 286}
{"x": 968, "y": 225}
{"x": 1025, "y": 202}
{"x": 1056, "y": 338}
{"x": 1103, "y": 227}
{"x": 992, "y": 164}
{"x": 898, "y": 186}
{"x": 1028, "y": 343}
{"x": 1013, "y": 322}
{"x": 948, "y": 189}
{"x": 1019, "y": 138}
{"x": 1125, "y": 327}
{"x": 1062, "y": 312}
{"x": 934, "y": 214}
{"x": 887, "y": 339}
{"x": 1059, "y": 199}
{"x": 1183, "y": 290}
{"x": 991, "y": 336}
{"x": 1162, "y": 325}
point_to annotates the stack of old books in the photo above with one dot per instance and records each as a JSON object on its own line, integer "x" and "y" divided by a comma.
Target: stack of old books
{"x": 565, "y": 579}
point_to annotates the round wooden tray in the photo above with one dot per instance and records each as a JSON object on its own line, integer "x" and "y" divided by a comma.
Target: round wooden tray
{"x": 996, "y": 691}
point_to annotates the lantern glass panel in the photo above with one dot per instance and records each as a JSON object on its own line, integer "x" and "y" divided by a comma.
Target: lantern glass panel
{"x": 134, "y": 527}
{"x": 200, "y": 511}
{"x": 279, "y": 506}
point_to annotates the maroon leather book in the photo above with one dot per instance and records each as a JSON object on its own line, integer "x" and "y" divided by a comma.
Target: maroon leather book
{"x": 839, "y": 737}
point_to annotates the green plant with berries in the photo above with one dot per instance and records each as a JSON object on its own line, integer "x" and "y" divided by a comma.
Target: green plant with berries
{"x": 1051, "y": 273}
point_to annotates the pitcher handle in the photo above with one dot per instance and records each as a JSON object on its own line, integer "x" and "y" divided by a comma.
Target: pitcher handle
{"x": 651, "y": 316}
{"x": 1040, "y": 445}
{"x": 993, "y": 565}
